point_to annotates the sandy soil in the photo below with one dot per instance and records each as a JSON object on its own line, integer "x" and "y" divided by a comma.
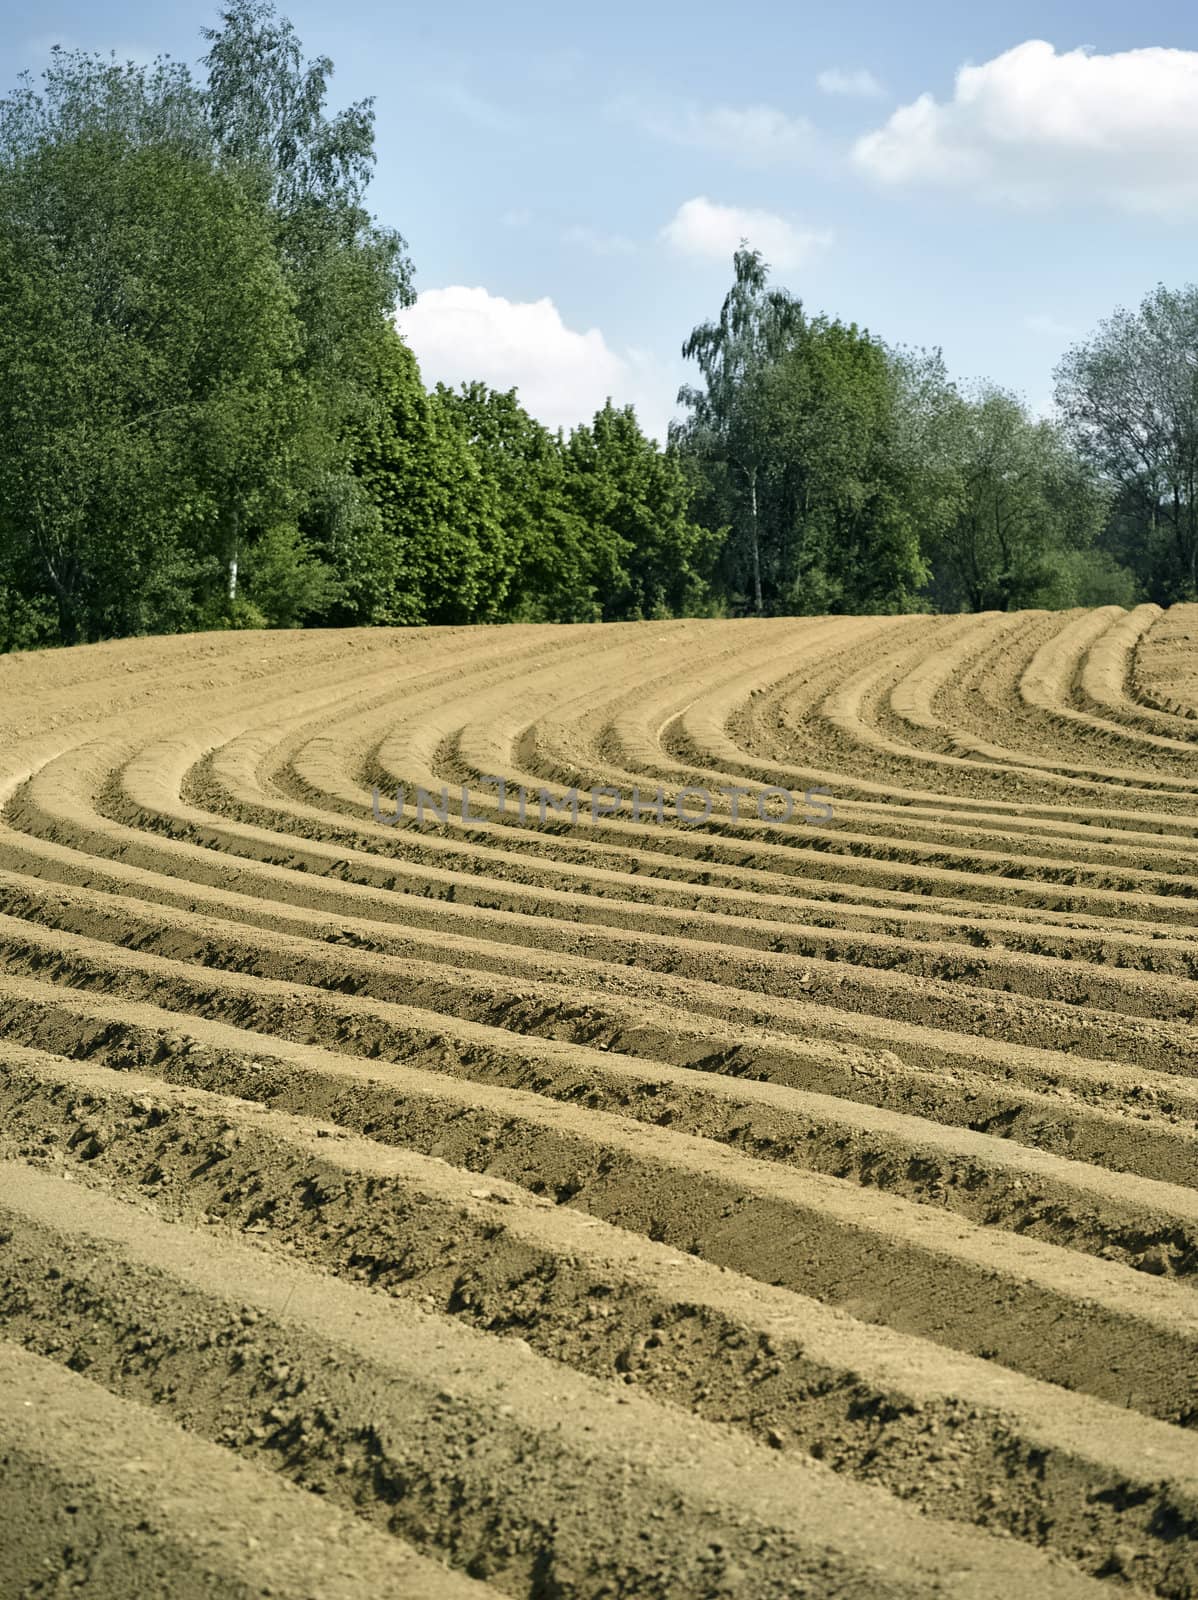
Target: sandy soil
{"x": 614, "y": 1211}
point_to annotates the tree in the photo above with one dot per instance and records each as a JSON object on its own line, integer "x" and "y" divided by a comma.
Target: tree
{"x": 924, "y": 442}
{"x": 151, "y": 402}
{"x": 436, "y": 553}
{"x": 265, "y": 108}
{"x": 731, "y": 417}
{"x": 191, "y": 299}
{"x": 1027, "y": 508}
{"x": 649, "y": 558}
{"x": 1130, "y": 398}
{"x": 847, "y": 530}
{"x": 557, "y": 565}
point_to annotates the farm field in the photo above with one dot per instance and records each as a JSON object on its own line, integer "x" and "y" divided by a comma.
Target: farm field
{"x": 621, "y": 1209}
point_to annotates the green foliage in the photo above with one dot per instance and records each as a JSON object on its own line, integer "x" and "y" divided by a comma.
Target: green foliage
{"x": 548, "y": 569}
{"x": 596, "y": 528}
{"x": 846, "y": 537}
{"x": 732, "y": 417}
{"x": 1090, "y": 577}
{"x": 857, "y": 478}
{"x": 228, "y": 614}
{"x": 286, "y": 580}
{"x": 207, "y": 418}
{"x": 25, "y": 623}
{"x": 149, "y": 408}
{"x": 646, "y": 557}
{"x": 438, "y": 553}
{"x": 284, "y": 584}
{"x": 798, "y": 434}
{"x": 1028, "y": 510}
{"x": 191, "y": 293}
{"x": 265, "y": 109}
{"x": 1130, "y": 397}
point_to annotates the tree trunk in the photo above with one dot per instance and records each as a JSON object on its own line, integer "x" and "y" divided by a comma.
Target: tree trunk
{"x": 68, "y": 621}
{"x": 758, "y": 603}
{"x": 63, "y": 578}
{"x": 233, "y": 553}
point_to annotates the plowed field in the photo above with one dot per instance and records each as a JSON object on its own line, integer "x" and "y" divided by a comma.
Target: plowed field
{"x": 623, "y": 1207}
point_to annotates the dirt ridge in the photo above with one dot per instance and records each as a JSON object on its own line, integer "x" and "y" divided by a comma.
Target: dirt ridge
{"x": 628, "y": 1210}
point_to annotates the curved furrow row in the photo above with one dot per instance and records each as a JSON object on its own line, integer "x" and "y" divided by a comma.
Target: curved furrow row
{"x": 692, "y": 1200}
{"x": 1163, "y": 672}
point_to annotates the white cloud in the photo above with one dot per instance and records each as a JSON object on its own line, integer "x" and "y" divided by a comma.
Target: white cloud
{"x": 758, "y": 134}
{"x": 700, "y": 227}
{"x": 858, "y": 84}
{"x": 563, "y": 376}
{"x": 1033, "y": 127}
{"x": 598, "y": 242}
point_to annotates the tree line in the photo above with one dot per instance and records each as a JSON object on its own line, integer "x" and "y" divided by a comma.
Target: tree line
{"x": 208, "y": 419}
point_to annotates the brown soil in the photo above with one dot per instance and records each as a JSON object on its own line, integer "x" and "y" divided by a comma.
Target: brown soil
{"x": 626, "y": 1209}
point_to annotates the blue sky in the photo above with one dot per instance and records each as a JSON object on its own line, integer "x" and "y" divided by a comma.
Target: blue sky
{"x": 572, "y": 180}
